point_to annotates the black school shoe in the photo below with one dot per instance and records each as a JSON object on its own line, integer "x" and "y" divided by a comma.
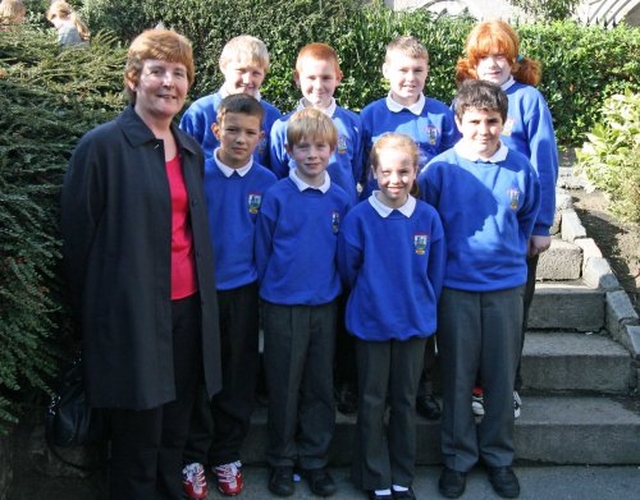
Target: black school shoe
{"x": 504, "y": 481}
{"x": 452, "y": 483}
{"x": 281, "y": 481}
{"x": 428, "y": 407}
{"x": 372, "y": 495}
{"x": 320, "y": 482}
{"x": 403, "y": 495}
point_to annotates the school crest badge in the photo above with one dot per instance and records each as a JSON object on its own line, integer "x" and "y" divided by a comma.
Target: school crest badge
{"x": 420, "y": 241}
{"x": 254, "y": 200}
{"x": 335, "y": 221}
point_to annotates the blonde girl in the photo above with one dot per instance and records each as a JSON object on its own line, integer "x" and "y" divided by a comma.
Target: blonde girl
{"x": 71, "y": 29}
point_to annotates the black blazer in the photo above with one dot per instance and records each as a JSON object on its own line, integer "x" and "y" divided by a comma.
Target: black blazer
{"x": 116, "y": 228}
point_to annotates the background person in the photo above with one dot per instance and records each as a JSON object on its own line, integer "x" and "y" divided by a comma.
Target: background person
{"x": 71, "y": 30}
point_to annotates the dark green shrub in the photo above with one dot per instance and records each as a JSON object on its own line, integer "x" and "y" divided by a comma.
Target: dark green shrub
{"x": 49, "y": 97}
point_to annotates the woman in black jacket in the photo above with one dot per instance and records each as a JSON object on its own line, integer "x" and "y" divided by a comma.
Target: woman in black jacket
{"x": 139, "y": 263}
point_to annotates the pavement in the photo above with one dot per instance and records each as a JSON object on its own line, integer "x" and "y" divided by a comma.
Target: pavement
{"x": 560, "y": 482}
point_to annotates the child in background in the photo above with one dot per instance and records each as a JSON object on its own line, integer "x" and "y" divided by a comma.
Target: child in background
{"x": 318, "y": 75}
{"x": 296, "y": 239}
{"x": 430, "y": 124}
{"x": 234, "y": 186}
{"x": 493, "y": 54}
{"x": 244, "y": 62}
{"x": 391, "y": 253}
{"x": 11, "y": 12}
{"x": 488, "y": 198}
{"x": 71, "y": 30}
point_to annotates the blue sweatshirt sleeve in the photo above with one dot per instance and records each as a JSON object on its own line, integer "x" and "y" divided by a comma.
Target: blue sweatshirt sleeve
{"x": 278, "y": 157}
{"x": 544, "y": 158}
{"x": 437, "y": 256}
{"x": 265, "y": 228}
{"x": 349, "y": 256}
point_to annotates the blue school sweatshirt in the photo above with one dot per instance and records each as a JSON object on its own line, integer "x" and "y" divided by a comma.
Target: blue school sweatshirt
{"x": 529, "y": 130}
{"x": 488, "y": 209}
{"x": 345, "y": 165}
{"x": 202, "y": 114}
{"x": 296, "y": 238}
{"x": 432, "y": 126}
{"x": 233, "y": 203}
{"x": 393, "y": 261}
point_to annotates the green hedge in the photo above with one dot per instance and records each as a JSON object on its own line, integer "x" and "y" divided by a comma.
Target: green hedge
{"x": 49, "y": 97}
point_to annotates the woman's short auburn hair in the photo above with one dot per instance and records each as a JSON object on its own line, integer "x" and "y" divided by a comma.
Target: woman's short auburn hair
{"x": 161, "y": 44}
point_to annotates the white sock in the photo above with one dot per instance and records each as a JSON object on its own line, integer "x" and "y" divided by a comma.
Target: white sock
{"x": 399, "y": 488}
{"x": 383, "y": 492}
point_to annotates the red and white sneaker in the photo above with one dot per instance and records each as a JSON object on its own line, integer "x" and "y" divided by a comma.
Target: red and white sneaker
{"x": 194, "y": 481}
{"x": 229, "y": 478}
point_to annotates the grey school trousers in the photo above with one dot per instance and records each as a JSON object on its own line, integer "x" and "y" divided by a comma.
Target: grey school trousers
{"x": 478, "y": 333}
{"x": 388, "y": 373}
{"x": 299, "y": 347}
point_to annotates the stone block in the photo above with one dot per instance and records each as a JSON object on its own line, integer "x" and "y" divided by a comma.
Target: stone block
{"x": 619, "y": 314}
{"x": 597, "y": 273}
{"x": 561, "y": 262}
{"x": 572, "y": 228}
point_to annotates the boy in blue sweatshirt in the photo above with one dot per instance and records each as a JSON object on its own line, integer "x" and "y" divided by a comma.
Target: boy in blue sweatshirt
{"x": 234, "y": 187}
{"x": 244, "y": 63}
{"x": 488, "y": 198}
{"x": 296, "y": 237}
{"x": 391, "y": 254}
{"x": 318, "y": 75}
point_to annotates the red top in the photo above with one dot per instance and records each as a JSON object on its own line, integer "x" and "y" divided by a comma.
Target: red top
{"x": 183, "y": 266}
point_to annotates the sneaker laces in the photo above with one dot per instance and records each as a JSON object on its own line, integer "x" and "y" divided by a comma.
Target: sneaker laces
{"x": 228, "y": 473}
{"x": 194, "y": 473}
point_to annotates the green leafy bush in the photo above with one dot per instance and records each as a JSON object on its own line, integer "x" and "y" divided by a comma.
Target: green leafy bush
{"x": 610, "y": 158}
{"x": 49, "y": 97}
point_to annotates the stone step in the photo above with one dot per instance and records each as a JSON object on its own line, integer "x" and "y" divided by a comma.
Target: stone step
{"x": 561, "y": 361}
{"x": 552, "y": 429}
{"x": 562, "y": 261}
{"x": 567, "y": 306}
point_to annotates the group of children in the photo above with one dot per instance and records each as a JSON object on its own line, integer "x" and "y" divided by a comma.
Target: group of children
{"x": 421, "y": 215}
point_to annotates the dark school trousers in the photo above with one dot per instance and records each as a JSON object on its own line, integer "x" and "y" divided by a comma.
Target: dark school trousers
{"x": 387, "y": 372}
{"x": 147, "y": 445}
{"x": 299, "y": 347}
{"x": 218, "y": 427}
{"x": 478, "y": 333}
{"x": 529, "y": 290}
{"x": 425, "y": 388}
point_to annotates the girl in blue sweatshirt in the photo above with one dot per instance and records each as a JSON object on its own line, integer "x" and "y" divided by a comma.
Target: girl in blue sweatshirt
{"x": 391, "y": 255}
{"x": 493, "y": 54}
